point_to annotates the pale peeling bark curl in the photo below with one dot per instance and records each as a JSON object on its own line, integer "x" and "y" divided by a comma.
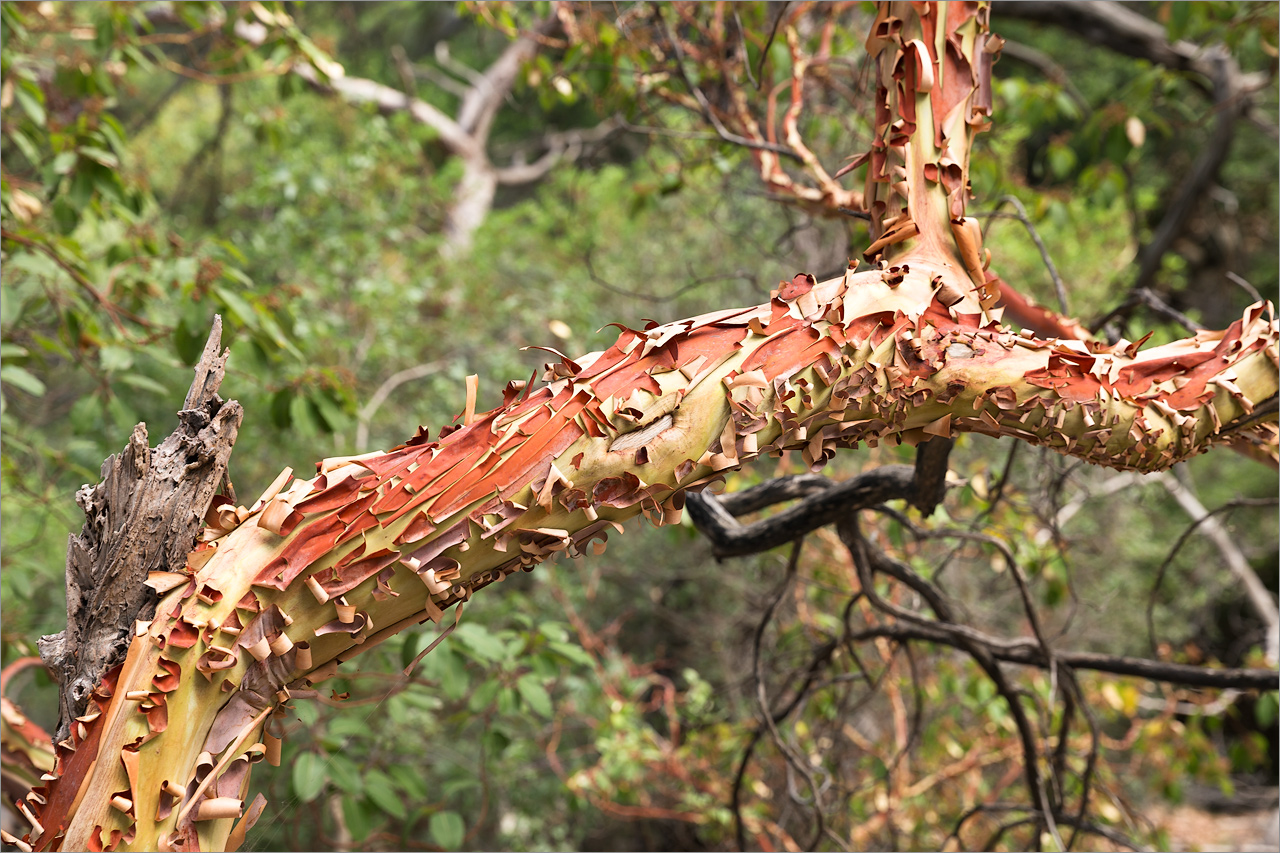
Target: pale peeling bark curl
{"x": 322, "y": 570}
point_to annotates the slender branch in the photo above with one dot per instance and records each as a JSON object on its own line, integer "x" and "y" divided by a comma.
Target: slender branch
{"x": 709, "y": 112}
{"x": 562, "y": 145}
{"x": 388, "y": 100}
{"x": 866, "y": 562}
{"x": 1265, "y": 606}
{"x": 657, "y": 298}
{"x": 490, "y": 89}
{"x": 1042, "y": 62}
{"x": 113, "y": 311}
{"x": 762, "y": 699}
{"x": 1021, "y": 215}
{"x": 773, "y": 32}
{"x": 1263, "y": 601}
{"x": 1144, "y": 296}
{"x": 391, "y": 383}
{"x": 1186, "y": 675}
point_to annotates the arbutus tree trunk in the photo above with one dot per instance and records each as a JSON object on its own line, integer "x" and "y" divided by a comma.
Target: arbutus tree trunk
{"x": 276, "y": 596}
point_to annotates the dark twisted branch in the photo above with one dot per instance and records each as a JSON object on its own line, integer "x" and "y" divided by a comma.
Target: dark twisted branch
{"x": 1213, "y": 70}
{"x": 1184, "y": 675}
{"x": 867, "y": 560}
{"x": 822, "y": 502}
{"x": 1123, "y": 30}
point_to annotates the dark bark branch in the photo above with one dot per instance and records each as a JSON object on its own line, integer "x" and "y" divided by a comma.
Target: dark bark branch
{"x": 1212, "y": 69}
{"x": 931, "y": 474}
{"x": 866, "y": 560}
{"x": 732, "y": 539}
{"x": 823, "y": 502}
{"x": 1231, "y": 104}
{"x": 143, "y": 517}
{"x": 1030, "y": 655}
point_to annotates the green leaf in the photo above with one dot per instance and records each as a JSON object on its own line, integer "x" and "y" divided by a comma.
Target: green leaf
{"x": 317, "y": 417}
{"x": 447, "y": 829}
{"x": 382, "y": 790}
{"x": 1179, "y": 20}
{"x": 188, "y": 342}
{"x": 361, "y": 817}
{"x": 484, "y": 695}
{"x": 98, "y": 155}
{"x": 572, "y": 652}
{"x": 26, "y": 146}
{"x": 507, "y": 701}
{"x": 308, "y": 776}
{"x": 143, "y": 383}
{"x": 238, "y": 306}
{"x": 479, "y": 640}
{"x": 454, "y": 679}
{"x": 115, "y": 359}
{"x": 280, "y": 417}
{"x": 554, "y": 631}
{"x": 495, "y": 742}
{"x": 410, "y": 781}
{"x": 329, "y": 411}
{"x": 345, "y": 774}
{"x": 11, "y": 374}
{"x": 1266, "y": 710}
{"x": 31, "y": 99}
{"x": 300, "y": 414}
{"x": 534, "y": 694}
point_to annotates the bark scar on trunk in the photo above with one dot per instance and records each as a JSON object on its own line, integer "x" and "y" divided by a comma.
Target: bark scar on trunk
{"x": 144, "y": 516}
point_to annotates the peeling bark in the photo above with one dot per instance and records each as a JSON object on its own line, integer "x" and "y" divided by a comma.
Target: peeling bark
{"x": 318, "y": 571}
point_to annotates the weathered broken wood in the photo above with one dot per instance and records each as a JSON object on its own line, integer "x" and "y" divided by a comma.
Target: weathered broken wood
{"x": 143, "y": 517}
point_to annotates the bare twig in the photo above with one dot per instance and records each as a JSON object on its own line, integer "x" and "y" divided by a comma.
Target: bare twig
{"x": 709, "y": 112}
{"x": 773, "y": 32}
{"x": 762, "y": 699}
{"x": 1042, "y": 62}
{"x": 1260, "y": 598}
{"x": 1244, "y": 285}
{"x": 1021, "y": 215}
{"x": 391, "y": 383}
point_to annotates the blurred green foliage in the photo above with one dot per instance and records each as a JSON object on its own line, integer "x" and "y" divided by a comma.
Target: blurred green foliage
{"x": 156, "y": 174}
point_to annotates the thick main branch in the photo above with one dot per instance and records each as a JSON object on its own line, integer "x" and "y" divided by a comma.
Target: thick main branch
{"x": 318, "y": 571}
